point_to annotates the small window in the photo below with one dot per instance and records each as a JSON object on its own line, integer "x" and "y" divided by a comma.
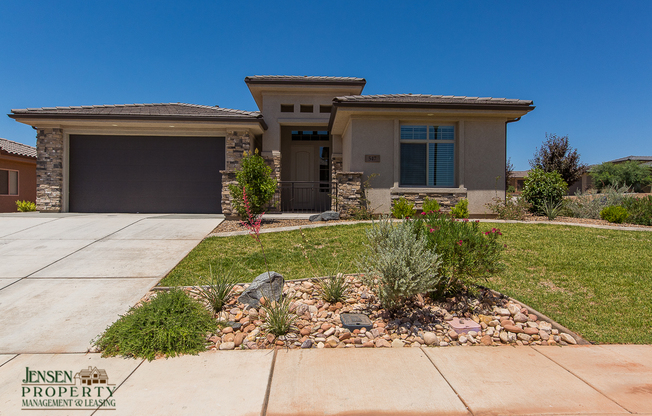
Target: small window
{"x": 8, "y": 182}
{"x": 325, "y": 108}
{"x": 287, "y": 108}
{"x": 306, "y": 108}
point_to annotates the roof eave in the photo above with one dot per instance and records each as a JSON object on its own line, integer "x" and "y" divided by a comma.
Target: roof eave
{"x": 519, "y": 108}
{"x": 50, "y": 116}
{"x": 361, "y": 82}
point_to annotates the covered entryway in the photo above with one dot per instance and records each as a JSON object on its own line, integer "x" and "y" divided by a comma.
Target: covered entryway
{"x": 147, "y": 174}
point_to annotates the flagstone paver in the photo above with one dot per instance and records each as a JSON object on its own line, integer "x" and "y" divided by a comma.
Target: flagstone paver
{"x": 517, "y": 381}
{"x": 359, "y": 381}
{"x": 621, "y": 372}
{"x": 214, "y": 383}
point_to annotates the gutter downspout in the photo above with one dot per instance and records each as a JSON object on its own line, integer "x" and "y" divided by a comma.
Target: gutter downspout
{"x": 505, "y": 162}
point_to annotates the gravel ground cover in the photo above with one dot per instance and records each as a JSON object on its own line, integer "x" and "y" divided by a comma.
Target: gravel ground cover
{"x": 423, "y": 322}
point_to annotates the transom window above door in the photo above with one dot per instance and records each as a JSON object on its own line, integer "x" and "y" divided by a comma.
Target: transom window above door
{"x": 309, "y": 135}
{"x": 427, "y": 156}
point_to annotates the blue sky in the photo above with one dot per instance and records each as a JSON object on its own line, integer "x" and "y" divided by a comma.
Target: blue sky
{"x": 587, "y": 65}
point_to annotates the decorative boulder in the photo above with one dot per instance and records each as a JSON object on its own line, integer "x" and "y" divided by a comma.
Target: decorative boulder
{"x": 264, "y": 285}
{"x": 325, "y": 216}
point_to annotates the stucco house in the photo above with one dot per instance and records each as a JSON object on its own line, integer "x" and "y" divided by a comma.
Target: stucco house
{"x": 321, "y": 137}
{"x": 17, "y": 174}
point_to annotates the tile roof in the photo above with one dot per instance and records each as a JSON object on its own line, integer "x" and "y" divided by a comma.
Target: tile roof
{"x": 303, "y": 79}
{"x": 16, "y": 148}
{"x": 157, "y": 110}
{"x": 429, "y": 99}
{"x": 638, "y": 158}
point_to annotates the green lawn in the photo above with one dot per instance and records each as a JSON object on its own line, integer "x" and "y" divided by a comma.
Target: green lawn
{"x": 596, "y": 282}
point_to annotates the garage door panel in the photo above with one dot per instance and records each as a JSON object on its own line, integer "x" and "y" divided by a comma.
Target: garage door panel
{"x": 146, "y": 174}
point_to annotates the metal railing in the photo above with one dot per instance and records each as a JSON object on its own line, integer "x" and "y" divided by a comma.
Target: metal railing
{"x": 303, "y": 196}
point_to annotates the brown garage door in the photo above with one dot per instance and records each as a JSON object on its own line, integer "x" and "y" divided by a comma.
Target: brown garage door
{"x": 146, "y": 174}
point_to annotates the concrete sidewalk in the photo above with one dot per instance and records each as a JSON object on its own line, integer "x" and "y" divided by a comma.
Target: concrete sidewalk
{"x": 579, "y": 380}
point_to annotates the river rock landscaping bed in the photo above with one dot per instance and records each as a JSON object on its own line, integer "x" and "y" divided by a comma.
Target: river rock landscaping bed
{"x": 494, "y": 319}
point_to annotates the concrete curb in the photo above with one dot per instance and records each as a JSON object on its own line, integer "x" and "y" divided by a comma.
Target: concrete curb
{"x": 291, "y": 228}
{"x": 297, "y": 227}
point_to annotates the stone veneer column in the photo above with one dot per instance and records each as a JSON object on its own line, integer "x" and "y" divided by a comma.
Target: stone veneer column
{"x": 49, "y": 170}
{"x": 349, "y": 192}
{"x": 236, "y": 145}
{"x": 336, "y": 167}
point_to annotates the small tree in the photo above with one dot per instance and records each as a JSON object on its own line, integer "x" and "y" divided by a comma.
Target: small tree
{"x": 543, "y": 188}
{"x": 255, "y": 177}
{"x": 631, "y": 174}
{"x": 556, "y": 155}
{"x": 509, "y": 172}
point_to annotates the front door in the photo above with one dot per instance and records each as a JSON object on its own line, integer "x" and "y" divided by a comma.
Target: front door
{"x": 303, "y": 175}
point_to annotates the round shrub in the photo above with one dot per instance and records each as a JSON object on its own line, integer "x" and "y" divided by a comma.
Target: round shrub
{"x": 403, "y": 208}
{"x": 543, "y": 187}
{"x": 170, "y": 324}
{"x": 430, "y": 205}
{"x": 614, "y": 213}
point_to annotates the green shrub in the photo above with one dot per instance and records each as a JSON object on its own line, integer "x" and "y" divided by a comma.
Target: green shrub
{"x": 279, "y": 320}
{"x": 172, "y": 323}
{"x": 466, "y": 252}
{"x": 397, "y": 264}
{"x": 25, "y": 206}
{"x": 589, "y": 204}
{"x": 218, "y": 292}
{"x": 362, "y": 214}
{"x": 430, "y": 205}
{"x": 630, "y": 173}
{"x": 461, "y": 209}
{"x": 333, "y": 289}
{"x": 513, "y": 208}
{"x": 552, "y": 210}
{"x": 541, "y": 187}
{"x": 255, "y": 176}
{"x": 403, "y": 209}
{"x": 511, "y": 189}
{"x": 614, "y": 213}
{"x": 640, "y": 210}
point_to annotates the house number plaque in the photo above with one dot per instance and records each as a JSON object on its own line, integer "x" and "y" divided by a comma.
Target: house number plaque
{"x": 372, "y": 158}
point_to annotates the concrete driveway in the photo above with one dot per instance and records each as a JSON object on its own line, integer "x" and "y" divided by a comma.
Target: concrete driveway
{"x": 65, "y": 277}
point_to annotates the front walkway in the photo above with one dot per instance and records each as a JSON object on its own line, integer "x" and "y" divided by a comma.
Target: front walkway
{"x": 579, "y": 380}
{"x": 65, "y": 277}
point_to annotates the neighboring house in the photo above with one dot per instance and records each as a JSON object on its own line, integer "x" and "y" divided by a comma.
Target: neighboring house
{"x": 17, "y": 174}
{"x": 320, "y": 136}
{"x": 585, "y": 182}
{"x": 518, "y": 179}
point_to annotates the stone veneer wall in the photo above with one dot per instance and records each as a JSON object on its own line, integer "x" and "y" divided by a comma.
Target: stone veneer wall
{"x": 236, "y": 145}
{"x": 349, "y": 192}
{"x": 446, "y": 200}
{"x": 49, "y": 170}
